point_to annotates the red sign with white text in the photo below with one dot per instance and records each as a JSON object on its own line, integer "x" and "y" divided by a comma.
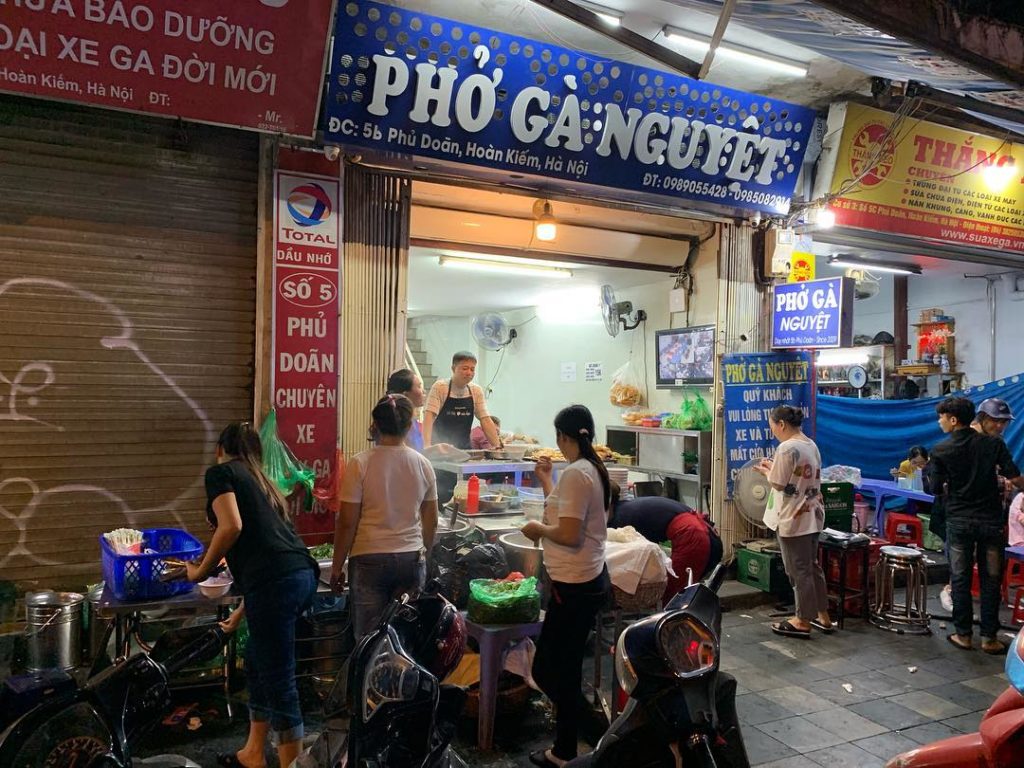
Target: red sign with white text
{"x": 256, "y": 65}
{"x": 307, "y": 272}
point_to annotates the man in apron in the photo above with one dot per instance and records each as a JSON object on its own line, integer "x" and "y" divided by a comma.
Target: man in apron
{"x": 448, "y": 415}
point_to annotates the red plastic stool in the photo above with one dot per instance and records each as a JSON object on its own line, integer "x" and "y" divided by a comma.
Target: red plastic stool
{"x": 1013, "y": 577}
{"x": 904, "y": 529}
{"x": 1018, "y": 606}
{"x": 975, "y": 583}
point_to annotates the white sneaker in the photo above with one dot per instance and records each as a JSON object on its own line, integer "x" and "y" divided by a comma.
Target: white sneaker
{"x": 946, "y": 598}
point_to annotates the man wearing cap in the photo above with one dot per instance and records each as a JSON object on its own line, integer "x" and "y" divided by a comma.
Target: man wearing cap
{"x": 994, "y": 416}
{"x": 964, "y": 470}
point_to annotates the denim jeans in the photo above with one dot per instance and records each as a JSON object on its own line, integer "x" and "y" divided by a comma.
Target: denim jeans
{"x": 969, "y": 542}
{"x": 271, "y": 611}
{"x": 375, "y": 580}
{"x": 558, "y": 662}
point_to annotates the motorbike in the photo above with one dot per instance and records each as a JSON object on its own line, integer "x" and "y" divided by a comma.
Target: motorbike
{"x": 388, "y": 708}
{"x": 999, "y": 742}
{"x": 98, "y": 724}
{"x": 682, "y": 708}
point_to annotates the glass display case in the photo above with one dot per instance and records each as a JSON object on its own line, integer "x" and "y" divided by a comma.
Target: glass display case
{"x": 857, "y": 371}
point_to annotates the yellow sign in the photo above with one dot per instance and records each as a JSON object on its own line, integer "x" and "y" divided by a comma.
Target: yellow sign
{"x": 801, "y": 263}
{"x": 929, "y": 181}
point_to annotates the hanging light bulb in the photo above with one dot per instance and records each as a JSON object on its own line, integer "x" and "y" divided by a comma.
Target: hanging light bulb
{"x": 545, "y": 228}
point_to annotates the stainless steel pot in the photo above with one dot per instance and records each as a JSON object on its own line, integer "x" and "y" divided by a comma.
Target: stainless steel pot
{"x": 521, "y": 553}
{"x": 54, "y": 630}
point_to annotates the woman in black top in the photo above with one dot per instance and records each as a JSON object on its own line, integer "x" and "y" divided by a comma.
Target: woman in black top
{"x": 277, "y": 578}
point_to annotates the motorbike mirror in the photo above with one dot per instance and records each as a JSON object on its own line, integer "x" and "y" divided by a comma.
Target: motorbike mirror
{"x": 714, "y": 581}
{"x": 689, "y": 576}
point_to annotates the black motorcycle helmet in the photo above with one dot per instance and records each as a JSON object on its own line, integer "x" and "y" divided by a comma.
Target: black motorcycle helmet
{"x": 432, "y": 631}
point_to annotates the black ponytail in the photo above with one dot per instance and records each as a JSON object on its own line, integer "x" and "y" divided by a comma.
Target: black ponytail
{"x": 392, "y": 415}
{"x": 577, "y": 423}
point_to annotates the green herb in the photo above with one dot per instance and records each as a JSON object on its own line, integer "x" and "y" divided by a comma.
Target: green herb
{"x": 322, "y": 552}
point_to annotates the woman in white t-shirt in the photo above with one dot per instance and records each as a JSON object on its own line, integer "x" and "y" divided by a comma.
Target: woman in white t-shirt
{"x": 387, "y": 519}
{"x": 573, "y": 533}
{"x": 795, "y": 511}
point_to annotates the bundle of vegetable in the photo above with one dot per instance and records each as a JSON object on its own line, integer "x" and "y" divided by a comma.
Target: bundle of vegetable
{"x": 125, "y": 541}
{"x": 322, "y": 551}
{"x": 505, "y": 601}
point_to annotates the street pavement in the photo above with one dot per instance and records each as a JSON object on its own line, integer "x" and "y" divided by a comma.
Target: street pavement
{"x": 905, "y": 691}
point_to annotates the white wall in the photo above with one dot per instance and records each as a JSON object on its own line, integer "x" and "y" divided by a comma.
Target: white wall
{"x": 526, "y": 390}
{"x": 869, "y": 315}
{"x": 965, "y": 300}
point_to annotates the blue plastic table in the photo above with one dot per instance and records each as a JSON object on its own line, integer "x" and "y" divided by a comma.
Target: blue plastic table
{"x": 883, "y": 488}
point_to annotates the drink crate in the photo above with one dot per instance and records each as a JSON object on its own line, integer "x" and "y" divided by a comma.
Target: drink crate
{"x": 763, "y": 569}
{"x": 838, "y": 499}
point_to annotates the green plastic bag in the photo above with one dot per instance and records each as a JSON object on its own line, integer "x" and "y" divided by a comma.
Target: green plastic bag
{"x": 686, "y": 415}
{"x": 701, "y": 414}
{"x": 280, "y": 463}
{"x": 493, "y": 601}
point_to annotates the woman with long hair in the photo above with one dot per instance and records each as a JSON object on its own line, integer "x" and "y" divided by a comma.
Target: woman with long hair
{"x": 796, "y": 512}
{"x": 573, "y": 533}
{"x": 277, "y": 578}
{"x": 388, "y": 517}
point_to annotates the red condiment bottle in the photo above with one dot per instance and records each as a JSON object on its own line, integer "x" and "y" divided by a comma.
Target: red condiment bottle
{"x": 473, "y": 495}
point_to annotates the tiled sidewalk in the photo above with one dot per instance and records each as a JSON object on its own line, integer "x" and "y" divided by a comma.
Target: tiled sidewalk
{"x": 796, "y": 713}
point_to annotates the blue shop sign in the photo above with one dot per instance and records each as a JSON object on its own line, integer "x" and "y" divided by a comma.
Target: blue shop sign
{"x": 813, "y": 314}
{"x": 424, "y": 86}
{"x": 754, "y": 384}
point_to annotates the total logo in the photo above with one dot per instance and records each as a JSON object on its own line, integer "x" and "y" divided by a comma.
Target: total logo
{"x": 274, "y": 3}
{"x": 309, "y": 205}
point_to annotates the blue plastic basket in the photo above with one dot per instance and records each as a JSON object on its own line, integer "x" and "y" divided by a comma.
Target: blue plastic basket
{"x": 137, "y": 577}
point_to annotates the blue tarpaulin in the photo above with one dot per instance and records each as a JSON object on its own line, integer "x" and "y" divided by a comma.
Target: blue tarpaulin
{"x": 875, "y": 435}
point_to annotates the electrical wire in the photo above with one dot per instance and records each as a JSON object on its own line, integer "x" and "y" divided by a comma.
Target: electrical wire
{"x": 501, "y": 359}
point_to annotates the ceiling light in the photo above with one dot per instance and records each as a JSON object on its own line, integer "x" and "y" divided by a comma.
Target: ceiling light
{"x": 849, "y": 260}
{"x": 505, "y": 267}
{"x": 826, "y": 218}
{"x": 545, "y": 228}
{"x": 737, "y": 52}
{"x": 609, "y": 16}
{"x": 842, "y": 357}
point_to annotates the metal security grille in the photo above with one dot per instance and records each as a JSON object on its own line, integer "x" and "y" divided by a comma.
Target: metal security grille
{"x": 127, "y": 325}
{"x": 374, "y": 303}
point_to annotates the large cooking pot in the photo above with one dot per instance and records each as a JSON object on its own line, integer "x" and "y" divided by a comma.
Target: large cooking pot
{"x": 521, "y": 553}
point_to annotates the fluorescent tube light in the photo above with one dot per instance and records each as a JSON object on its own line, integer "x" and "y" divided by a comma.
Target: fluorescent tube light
{"x": 609, "y": 16}
{"x": 504, "y": 266}
{"x": 737, "y": 52}
{"x": 843, "y": 260}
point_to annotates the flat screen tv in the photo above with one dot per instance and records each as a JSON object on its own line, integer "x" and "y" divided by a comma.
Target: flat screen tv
{"x": 686, "y": 356}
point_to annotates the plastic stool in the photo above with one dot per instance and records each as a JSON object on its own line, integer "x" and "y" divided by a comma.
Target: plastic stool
{"x": 904, "y": 529}
{"x": 1018, "y": 606}
{"x": 493, "y": 640}
{"x": 911, "y": 616}
{"x": 1013, "y": 577}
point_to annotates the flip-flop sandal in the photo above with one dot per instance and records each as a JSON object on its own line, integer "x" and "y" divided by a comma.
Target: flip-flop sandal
{"x": 959, "y": 644}
{"x": 786, "y": 629}
{"x": 539, "y": 758}
{"x": 826, "y": 629}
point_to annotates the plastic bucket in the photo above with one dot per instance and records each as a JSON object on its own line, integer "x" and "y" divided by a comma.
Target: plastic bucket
{"x": 54, "y": 630}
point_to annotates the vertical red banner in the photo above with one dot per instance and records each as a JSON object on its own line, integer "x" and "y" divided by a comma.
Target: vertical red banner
{"x": 307, "y": 281}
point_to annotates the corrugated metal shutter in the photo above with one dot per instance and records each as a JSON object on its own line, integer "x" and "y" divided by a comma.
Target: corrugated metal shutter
{"x": 374, "y": 293}
{"x": 127, "y": 325}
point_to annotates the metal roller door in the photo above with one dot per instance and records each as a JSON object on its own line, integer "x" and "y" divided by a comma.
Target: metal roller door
{"x": 127, "y": 325}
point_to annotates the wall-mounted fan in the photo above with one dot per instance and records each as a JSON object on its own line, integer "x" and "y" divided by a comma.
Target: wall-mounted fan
{"x": 491, "y": 331}
{"x": 618, "y": 312}
{"x": 866, "y": 285}
{"x": 750, "y": 492}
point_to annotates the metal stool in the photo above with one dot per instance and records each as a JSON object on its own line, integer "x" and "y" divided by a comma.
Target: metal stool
{"x": 911, "y": 616}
